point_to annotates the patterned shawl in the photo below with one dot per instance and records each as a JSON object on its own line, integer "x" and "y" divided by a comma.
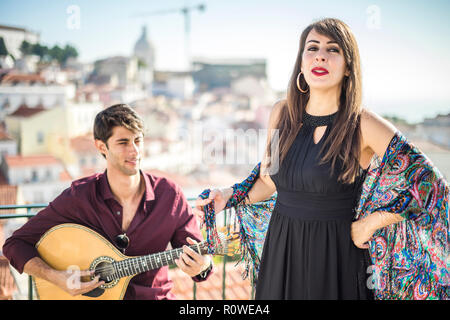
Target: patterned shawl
{"x": 410, "y": 258}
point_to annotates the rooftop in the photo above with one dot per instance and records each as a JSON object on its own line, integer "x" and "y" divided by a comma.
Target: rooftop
{"x": 8, "y": 196}
{"x": 228, "y": 61}
{"x": 24, "y": 111}
{"x": 14, "y": 78}
{"x": 27, "y": 161}
{"x": 83, "y": 144}
{"x": 235, "y": 287}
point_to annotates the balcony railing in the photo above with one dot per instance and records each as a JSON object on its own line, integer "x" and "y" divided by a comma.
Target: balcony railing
{"x": 31, "y": 212}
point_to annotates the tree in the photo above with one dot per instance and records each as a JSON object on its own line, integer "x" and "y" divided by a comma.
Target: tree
{"x": 26, "y": 48}
{"x": 39, "y": 50}
{"x": 69, "y": 52}
{"x": 45, "y": 53}
{"x": 57, "y": 53}
{"x": 3, "y": 50}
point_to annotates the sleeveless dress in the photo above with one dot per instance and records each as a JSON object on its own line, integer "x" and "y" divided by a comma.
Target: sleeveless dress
{"x": 308, "y": 252}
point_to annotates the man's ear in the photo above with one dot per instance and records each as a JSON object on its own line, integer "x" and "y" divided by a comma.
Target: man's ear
{"x": 101, "y": 147}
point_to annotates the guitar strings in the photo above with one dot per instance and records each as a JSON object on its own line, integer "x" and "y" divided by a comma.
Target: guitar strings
{"x": 132, "y": 262}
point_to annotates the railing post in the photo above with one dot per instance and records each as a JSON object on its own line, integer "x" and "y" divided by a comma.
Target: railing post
{"x": 30, "y": 280}
{"x": 252, "y": 297}
{"x": 194, "y": 295}
{"x": 224, "y": 271}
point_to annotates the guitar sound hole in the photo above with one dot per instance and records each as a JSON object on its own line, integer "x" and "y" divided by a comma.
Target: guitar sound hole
{"x": 105, "y": 270}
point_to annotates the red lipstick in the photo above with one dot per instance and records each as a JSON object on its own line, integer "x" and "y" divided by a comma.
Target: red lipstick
{"x": 318, "y": 71}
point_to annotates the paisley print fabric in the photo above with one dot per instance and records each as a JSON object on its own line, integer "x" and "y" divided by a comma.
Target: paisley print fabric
{"x": 410, "y": 258}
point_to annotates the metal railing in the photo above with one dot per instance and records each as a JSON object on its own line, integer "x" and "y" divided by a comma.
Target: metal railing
{"x": 29, "y": 214}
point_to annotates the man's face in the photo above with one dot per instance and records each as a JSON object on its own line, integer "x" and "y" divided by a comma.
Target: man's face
{"x": 123, "y": 150}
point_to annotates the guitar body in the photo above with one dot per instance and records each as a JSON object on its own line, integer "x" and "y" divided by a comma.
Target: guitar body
{"x": 75, "y": 247}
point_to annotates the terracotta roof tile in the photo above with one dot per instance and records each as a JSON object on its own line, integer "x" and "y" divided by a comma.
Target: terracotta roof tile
{"x": 24, "y": 111}
{"x": 8, "y": 196}
{"x": 65, "y": 176}
{"x": 211, "y": 289}
{"x": 22, "y": 78}
{"x": 83, "y": 144}
{"x": 4, "y": 136}
{"x": 24, "y": 161}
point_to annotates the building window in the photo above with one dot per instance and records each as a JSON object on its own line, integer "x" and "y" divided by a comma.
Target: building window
{"x": 48, "y": 174}
{"x": 34, "y": 176}
{"x": 40, "y": 137}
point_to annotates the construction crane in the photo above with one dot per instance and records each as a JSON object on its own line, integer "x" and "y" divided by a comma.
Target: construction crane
{"x": 186, "y": 12}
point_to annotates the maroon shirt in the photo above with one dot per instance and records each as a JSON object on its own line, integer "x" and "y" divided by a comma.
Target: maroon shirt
{"x": 164, "y": 216}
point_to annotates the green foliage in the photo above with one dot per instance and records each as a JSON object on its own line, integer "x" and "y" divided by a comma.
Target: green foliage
{"x": 3, "y": 50}
{"x": 26, "y": 48}
{"x": 48, "y": 54}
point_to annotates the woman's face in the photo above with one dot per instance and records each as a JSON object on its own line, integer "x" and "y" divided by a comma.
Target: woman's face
{"x": 323, "y": 62}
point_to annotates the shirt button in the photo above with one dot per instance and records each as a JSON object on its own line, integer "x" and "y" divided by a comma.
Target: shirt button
{"x": 118, "y": 213}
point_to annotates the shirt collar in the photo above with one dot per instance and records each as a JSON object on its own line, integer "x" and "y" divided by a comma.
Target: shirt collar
{"x": 106, "y": 192}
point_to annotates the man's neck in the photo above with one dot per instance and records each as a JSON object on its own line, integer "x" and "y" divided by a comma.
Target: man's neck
{"x": 125, "y": 188}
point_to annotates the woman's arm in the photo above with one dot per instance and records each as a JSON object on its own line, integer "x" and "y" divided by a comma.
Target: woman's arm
{"x": 363, "y": 229}
{"x": 377, "y": 133}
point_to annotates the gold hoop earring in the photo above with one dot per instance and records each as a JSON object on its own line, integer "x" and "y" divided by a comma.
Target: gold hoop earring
{"x": 298, "y": 84}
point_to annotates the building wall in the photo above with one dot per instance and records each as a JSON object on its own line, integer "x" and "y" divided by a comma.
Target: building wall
{"x": 14, "y": 37}
{"x": 34, "y": 174}
{"x": 49, "y": 132}
{"x": 8, "y": 147}
{"x": 43, "y": 192}
{"x": 40, "y": 131}
{"x": 126, "y": 69}
{"x": 216, "y": 74}
{"x": 181, "y": 87}
{"x": 13, "y": 128}
{"x": 80, "y": 117}
{"x": 32, "y": 95}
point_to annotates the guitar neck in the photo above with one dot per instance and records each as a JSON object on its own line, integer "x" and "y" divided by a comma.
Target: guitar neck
{"x": 136, "y": 265}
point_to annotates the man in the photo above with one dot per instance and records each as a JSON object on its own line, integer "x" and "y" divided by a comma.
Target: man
{"x": 123, "y": 203}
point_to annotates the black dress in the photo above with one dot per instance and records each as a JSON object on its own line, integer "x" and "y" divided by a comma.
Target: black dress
{"x": 308, "y": 252}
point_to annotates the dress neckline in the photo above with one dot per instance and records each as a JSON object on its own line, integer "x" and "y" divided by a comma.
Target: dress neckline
{"x": 317, "y": 121}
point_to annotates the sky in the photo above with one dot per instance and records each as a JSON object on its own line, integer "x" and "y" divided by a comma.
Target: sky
{"x": 404, "y": 44}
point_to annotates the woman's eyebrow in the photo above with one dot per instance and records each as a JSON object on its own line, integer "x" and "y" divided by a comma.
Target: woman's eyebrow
{"x": 332, "y": 41}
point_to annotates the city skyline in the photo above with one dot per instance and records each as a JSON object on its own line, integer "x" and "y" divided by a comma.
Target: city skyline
{"x": 403, "y": 44}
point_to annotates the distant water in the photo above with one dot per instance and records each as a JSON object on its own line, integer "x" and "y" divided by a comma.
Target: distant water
{"x": 412, "y": 112}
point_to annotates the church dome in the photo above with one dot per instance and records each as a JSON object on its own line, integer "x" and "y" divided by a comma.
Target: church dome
{"x": 143, "y": 45}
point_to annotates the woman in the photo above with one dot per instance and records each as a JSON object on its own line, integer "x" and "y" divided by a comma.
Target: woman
{"x": 313, "y": 248}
